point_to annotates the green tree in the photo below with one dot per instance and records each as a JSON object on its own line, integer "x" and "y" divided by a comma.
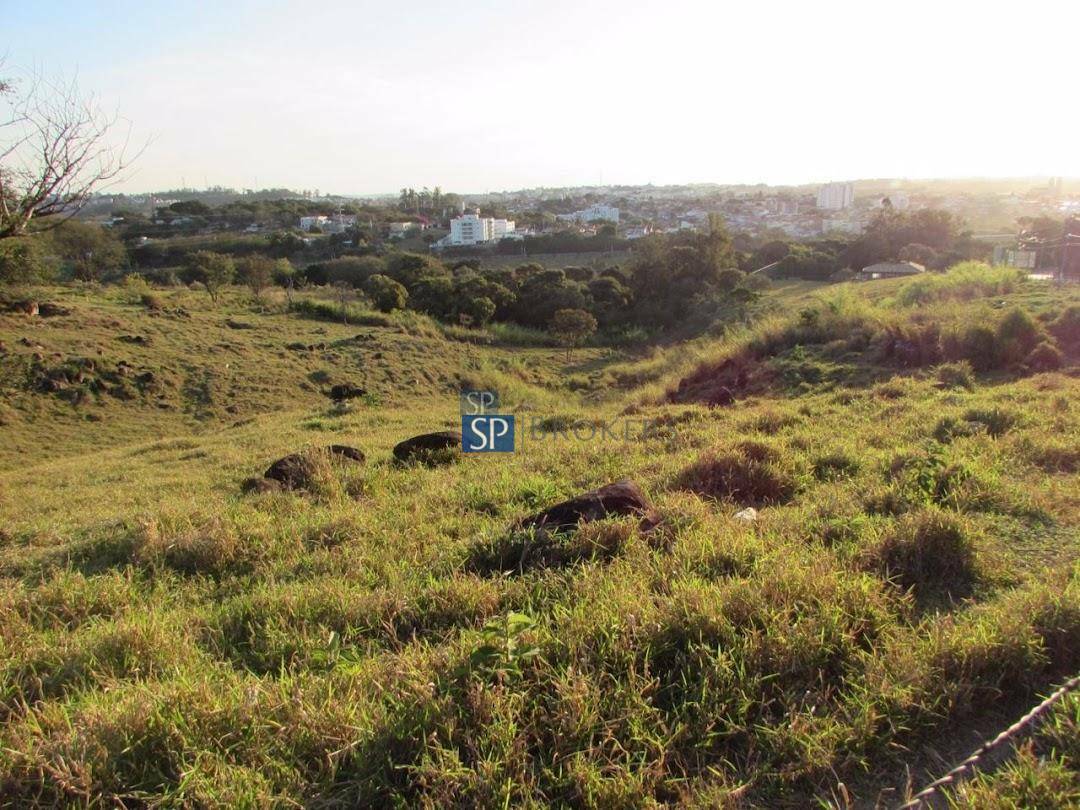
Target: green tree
{"x": 479, "y": 310}
{"x": 257, "y": 272}
{"x": 22, "y": 261}
{"x": 92, "y": 252}
{"x": 571, "y": 327}
{"x": 385, "y": 293}
{"x": 214, "y": 270}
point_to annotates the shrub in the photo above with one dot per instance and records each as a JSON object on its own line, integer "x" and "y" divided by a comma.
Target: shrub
{"x": 738, "y": 475}
{"x": 1044, "y": 357}
{"x": 386, "y": 293}
{"x": 998, "y": 421}
{"x": 949, "y": 428}
{"x": 929, "y": 548}
{"x": 1066, "y": 328}
{"x": 833, "y": 466}
{"x": 151, "y": 302}
{"x": 23, "y": 262}
{"x": 1017, "y": 335}
{"x": 956, "y": 375}
{"x": 979, "y": 346}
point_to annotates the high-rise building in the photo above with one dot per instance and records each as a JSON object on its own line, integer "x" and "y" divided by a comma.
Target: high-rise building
{"x": 473, "y": 229}
{"x": 836, "y": 196}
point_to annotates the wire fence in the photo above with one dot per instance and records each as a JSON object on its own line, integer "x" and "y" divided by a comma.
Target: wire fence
{"x": 1026, "y": 723}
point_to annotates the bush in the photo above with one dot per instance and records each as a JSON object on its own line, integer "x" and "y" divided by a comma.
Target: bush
{"x": 386, "y": 293}
{"x": 1066, "y": 328}
{"x": 929, "y": 548}
{"x": 748, "y": 477}
{"x": 1017, "y": 335}
{"x": 833, "y": 466}
{"x": 23, "y": 262}
{"x": 998, "y": 421}
{"x": 1044, "y": 357}
{"x": 962, "y": 282}
{"x": 956, "y": 375}
{"x": 151, "y": 302}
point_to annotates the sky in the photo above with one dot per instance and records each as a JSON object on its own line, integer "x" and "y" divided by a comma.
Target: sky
{"x": 369, "y": 97}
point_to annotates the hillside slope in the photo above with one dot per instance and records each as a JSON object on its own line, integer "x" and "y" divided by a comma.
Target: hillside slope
{"x": 384, "y": 636}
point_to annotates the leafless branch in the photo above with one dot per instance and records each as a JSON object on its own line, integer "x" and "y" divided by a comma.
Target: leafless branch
{"x": 57, "y": 148}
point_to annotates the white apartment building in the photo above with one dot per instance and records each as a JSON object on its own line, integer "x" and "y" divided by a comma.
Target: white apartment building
{"x": 836, "y": 196}
{"x": 473, "y": 229}
{"x": 593, "y": 213}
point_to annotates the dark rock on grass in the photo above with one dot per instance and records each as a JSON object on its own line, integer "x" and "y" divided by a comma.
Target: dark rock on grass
{"x": 429, "y": 448}
{"x": 48, "y": 309}
{"x": 25, "y": 307}
{"x": 234, "y": 324}
{"x": 620, "y": 498}
{"x": 294, "y": 471}
{"x": 344, "y": 391}
{"x": 257, "y": 486}
{"x": 720, "y": 397}
{"x": 138, "y": 340}
{"x": 569, "y": 532}
{"x": 350, "y": 453}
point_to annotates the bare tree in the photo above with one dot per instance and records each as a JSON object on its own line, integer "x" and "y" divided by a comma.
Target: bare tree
{"x": 57, "y": 147}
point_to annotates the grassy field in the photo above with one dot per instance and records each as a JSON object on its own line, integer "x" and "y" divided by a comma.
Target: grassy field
{"x": 910, "y": 585}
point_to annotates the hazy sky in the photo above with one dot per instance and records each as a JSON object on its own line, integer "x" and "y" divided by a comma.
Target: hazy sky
{"x": 363, "y": 97}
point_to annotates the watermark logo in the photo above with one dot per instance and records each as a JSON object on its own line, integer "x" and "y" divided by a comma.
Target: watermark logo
{"x": 483, "y": 429}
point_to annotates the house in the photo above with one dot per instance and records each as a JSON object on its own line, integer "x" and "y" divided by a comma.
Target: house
{"x": 397, "y": 230}
{"x": 890, "y": 270}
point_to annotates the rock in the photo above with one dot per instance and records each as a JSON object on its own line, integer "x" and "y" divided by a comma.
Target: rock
{"x": 294, "y": 471}
{"x": 620, "y": 498}
{"x": 232, "y": 324}
{"x": 351, "y": 453}
{"x": 720, "y": 397}
{"x": 139, "y": 340}
{"x": 51, "y": 385}
{"x": 257, "y": 486}
{"x": 48, "y": 309}
{"x": 344, "y": 391}
{"x": 747, "y": 515}
{"x": 296, "y": 347}
{"x": 423, "y": 447}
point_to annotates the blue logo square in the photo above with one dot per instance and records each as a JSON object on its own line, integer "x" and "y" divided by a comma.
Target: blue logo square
{"x": 487, "y": 433}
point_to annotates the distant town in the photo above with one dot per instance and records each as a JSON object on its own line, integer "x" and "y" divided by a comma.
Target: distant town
{"x": 436, "y": 221}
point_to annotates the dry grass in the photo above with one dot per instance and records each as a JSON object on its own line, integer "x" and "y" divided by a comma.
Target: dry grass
{"x": 166, "y": 639}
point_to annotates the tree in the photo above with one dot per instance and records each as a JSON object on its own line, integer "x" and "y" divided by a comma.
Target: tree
{"x": 571, "y": 326}
{"x": 57, "y": 147}
{"x": 23, "y": 262}
{"x": 214, "y": 270}
{"x": 386, "y": 293}
{"x": 257, "y": 272}
{"x": 479, "y": 310}
{"x": 91, "y": 251}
